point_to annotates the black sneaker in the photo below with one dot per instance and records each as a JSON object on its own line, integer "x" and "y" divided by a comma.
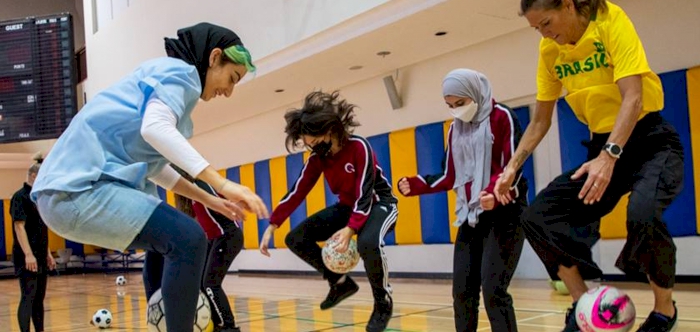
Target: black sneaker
{"x": 380, "y": 315}
{"x": 570, "y": 324}
{"x": 657, "y": 322}
{"x": 226, "y": 329}
{"x": 339, "y": 292}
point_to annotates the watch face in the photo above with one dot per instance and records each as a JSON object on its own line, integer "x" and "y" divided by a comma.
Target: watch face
{"x": 615, "y": 149}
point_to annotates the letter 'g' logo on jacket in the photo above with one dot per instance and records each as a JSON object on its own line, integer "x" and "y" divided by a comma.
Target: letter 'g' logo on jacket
{"x": 349, "y": 168}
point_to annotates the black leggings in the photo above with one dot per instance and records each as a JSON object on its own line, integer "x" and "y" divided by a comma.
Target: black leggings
{"x": 562, "y": 230}
{"x": 31, "y": 305}
{"x": 222, "y": 251}
{"x": 485, "y": 258}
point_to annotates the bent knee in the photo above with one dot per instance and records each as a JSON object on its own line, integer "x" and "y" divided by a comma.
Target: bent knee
{"x": 291, "y": 238}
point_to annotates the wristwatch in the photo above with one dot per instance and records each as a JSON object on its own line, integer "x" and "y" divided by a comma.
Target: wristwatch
{"x": 613, "y": 150}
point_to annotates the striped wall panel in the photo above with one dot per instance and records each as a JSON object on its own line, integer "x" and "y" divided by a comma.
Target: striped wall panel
{"x": 263, "y": 189}
{"x": 380, "y": 146}
{"x": 402, "y": 145}
{"x": 693, "y": 89}
{"x": 435, "y": 223}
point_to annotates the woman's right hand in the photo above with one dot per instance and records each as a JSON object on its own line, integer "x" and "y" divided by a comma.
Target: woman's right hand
{"x": 245, "y": 198}
{"x": 265, "y": 242}
{"x": 502, "y": 188}
{"x": 404, "y": 187}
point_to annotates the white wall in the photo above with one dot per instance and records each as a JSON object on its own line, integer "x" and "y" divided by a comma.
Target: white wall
{"x": 11, "y": 180}
{"x": 419, "y": 84}
{"x": 276, "y": 25}
{"x": 668, "y": 29}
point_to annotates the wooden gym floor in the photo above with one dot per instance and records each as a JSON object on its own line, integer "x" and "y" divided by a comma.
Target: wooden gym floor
{"x": 291, "y": 304}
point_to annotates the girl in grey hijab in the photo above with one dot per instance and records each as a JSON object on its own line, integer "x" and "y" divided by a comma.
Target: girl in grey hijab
{"x": 489, "y": 241}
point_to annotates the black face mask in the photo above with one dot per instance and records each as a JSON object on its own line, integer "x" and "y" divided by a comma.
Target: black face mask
{"x": 322, "y": 149}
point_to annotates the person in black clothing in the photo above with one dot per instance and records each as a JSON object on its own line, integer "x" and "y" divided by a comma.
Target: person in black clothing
{"x": 30, "y": 254}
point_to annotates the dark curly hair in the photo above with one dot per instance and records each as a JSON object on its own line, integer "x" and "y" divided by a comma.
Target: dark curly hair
{"x": 321, "y": 113}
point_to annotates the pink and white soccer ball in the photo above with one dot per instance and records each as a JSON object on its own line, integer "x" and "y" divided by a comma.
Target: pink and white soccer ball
{"x": 340, "y": 262}
{"x": 605, "y": 309}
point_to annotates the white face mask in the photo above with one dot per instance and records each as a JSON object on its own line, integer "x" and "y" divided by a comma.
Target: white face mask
{"x": 465, "y": 113}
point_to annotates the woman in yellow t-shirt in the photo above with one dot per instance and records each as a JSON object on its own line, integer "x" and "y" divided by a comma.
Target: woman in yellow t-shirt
{"x": 591, "y": 49}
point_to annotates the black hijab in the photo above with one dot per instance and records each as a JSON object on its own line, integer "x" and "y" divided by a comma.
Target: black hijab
{"x": 194, "y": 45}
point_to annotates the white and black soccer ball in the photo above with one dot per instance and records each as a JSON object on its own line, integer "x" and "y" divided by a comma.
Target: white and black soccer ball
{"x": 156, "y": 314}
{"x": 121, "y": 281}
{"x": 102, "y": 318}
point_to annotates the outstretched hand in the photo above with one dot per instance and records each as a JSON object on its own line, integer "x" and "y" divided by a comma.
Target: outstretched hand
{"x": 245, "y": 198}
{"x": 265, "y": 242}
{"x": 502, "y": 188}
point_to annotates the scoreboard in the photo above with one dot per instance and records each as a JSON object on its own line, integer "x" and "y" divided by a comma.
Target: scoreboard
{"x": 37, "y": 78}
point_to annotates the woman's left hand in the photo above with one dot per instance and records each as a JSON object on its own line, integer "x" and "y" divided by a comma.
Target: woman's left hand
{"x": 227, "y": 208}
{"x": 50, "y": 262}
{"x": 342, "y": 238}
{"x": 599, "y": 172}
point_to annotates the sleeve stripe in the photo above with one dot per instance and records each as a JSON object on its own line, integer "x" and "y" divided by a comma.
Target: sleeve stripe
{"x": 216, "y": 222}
{"x": 366, "y": 171}
{"x": 512, "y": 147}
{"x": 512, "y": 131}
{"x": 381, "y": 171}
{"x": 448, "y": 155}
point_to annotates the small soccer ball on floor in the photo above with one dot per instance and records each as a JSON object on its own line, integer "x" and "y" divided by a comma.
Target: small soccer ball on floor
{"x": 605, "y": 309}
{"x": 156, "y": 314}
{"x": 121, "y": 281}
{"x": 340, "y": 262}
{"x": 559, "y": 287}
{"x": 102, "y": 318}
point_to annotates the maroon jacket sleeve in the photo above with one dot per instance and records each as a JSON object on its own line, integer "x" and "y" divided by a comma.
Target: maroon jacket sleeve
{"x": 436, "y": 182}
{"x": 364, "y": 184}
{"x": 504, "y": 143}
{"x": 307, "y": 179}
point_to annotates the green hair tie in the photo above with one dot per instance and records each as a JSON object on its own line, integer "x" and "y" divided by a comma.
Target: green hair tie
{"x": 240, "y": 55}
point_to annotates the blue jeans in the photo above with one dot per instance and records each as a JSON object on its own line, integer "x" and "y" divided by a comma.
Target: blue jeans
{"x": 181, "y": 241}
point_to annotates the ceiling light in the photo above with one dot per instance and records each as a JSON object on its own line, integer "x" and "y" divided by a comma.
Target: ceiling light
{"x": 383, "y": 53}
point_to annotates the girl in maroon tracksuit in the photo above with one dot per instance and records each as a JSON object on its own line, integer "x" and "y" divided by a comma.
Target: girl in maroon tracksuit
{"x": 481, "y": 141}
{"x": 367, "y": 206}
